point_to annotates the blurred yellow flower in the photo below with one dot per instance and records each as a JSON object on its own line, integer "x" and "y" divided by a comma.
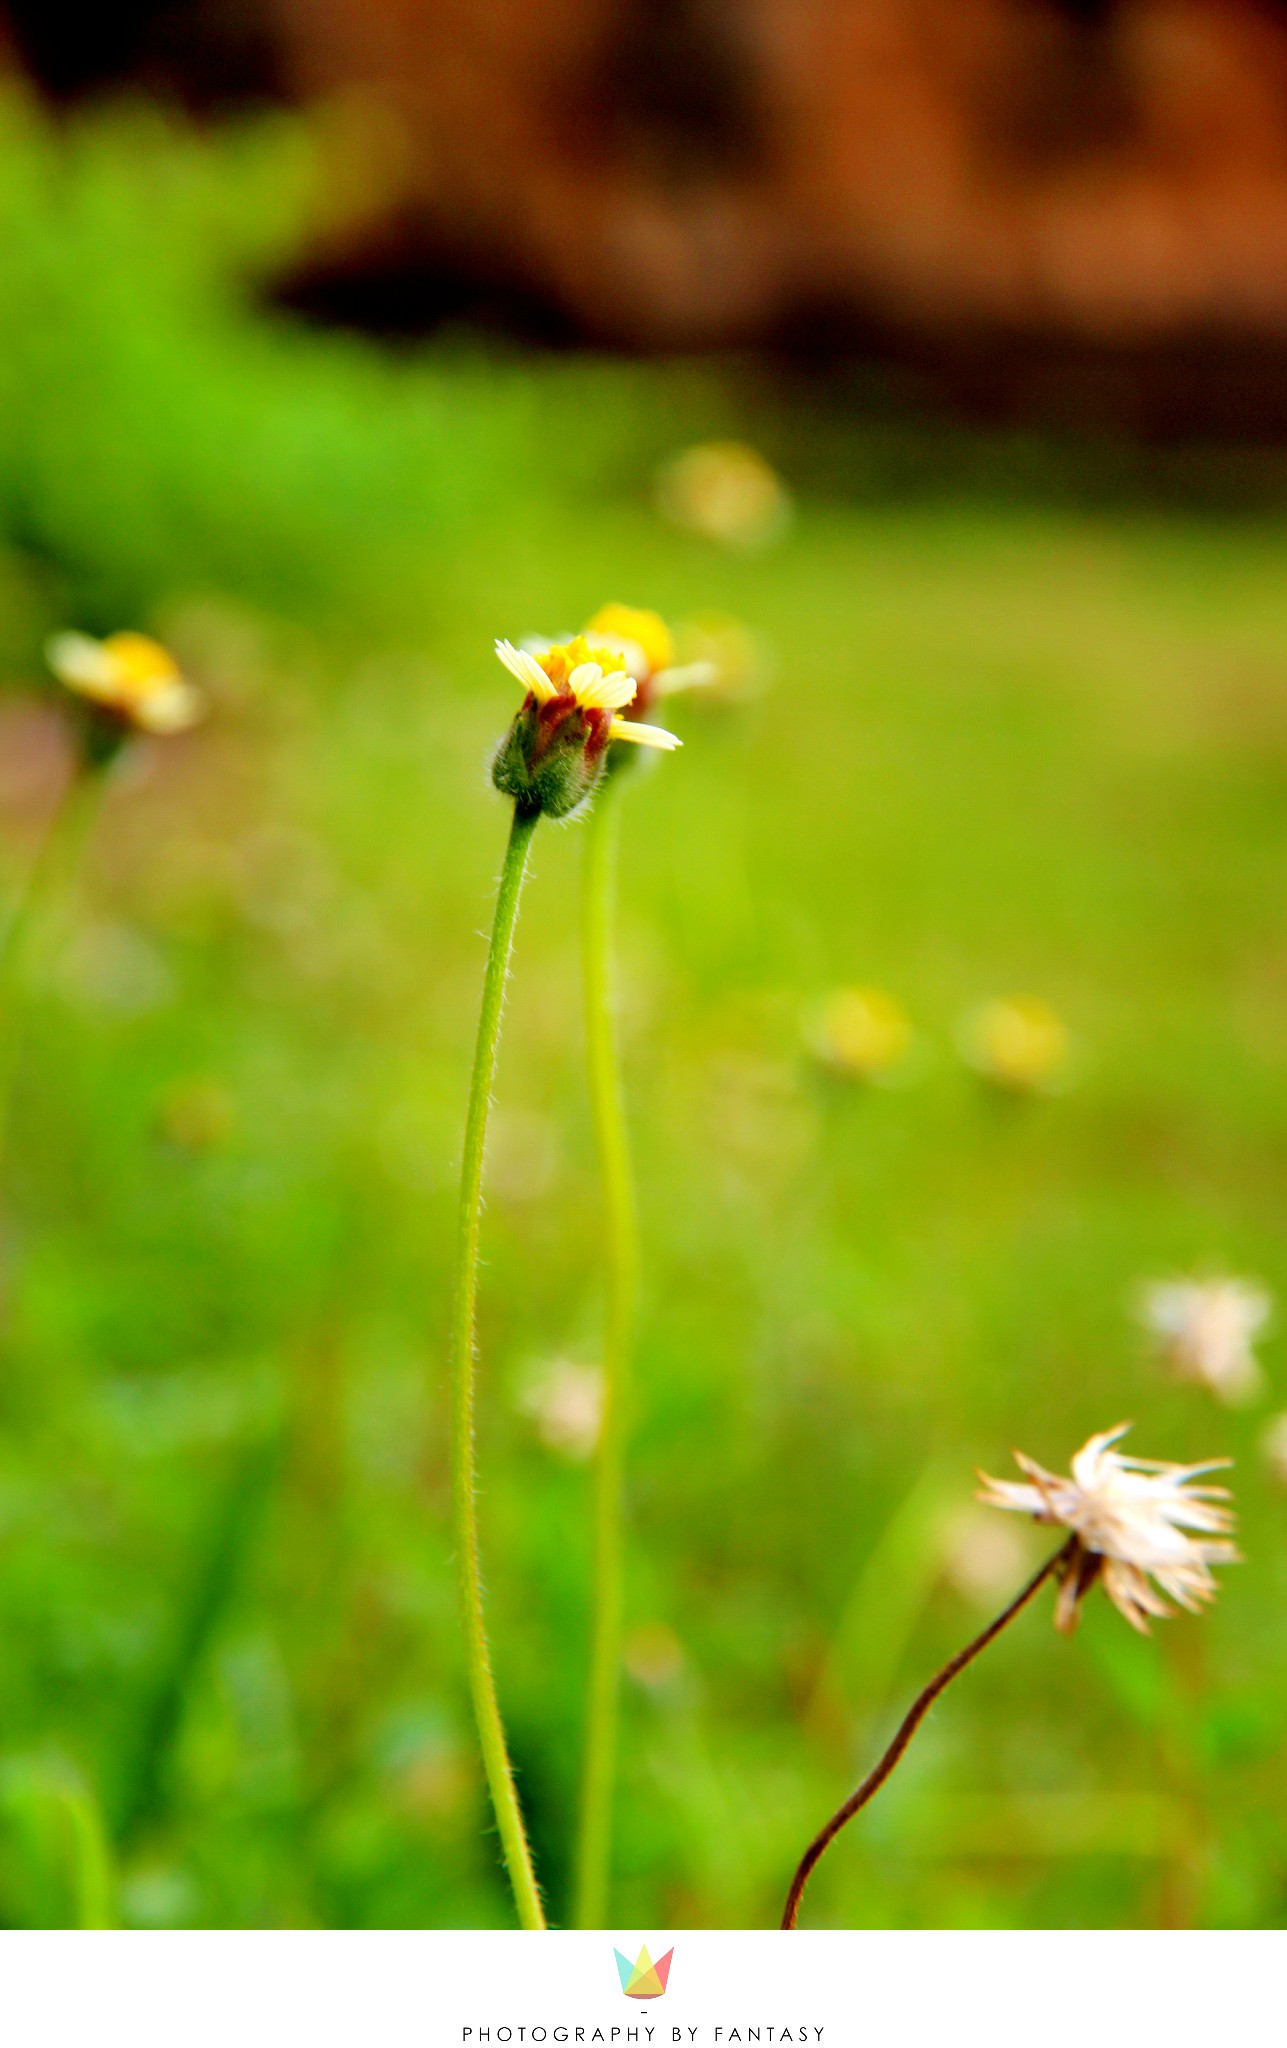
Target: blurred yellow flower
{"x": 862, "y": 1032}
{"x": 1016, "y": 1042}
{"x": 129, "y": 675}
{"x": 630, "y": 627}
{"x": 727, "y": 491}
{"x": 647, "y": 646}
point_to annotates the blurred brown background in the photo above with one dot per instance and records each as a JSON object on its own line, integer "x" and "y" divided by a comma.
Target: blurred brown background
{"x": 1029, "y": 197}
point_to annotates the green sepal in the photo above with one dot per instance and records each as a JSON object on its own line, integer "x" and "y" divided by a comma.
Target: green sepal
{"x": 544, "y": 770}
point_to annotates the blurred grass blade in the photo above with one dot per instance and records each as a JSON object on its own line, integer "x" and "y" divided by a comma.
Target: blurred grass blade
{"x": 55, "y": 1861}
{"x": 887, "y": 1601}
{"x": 229, "y": 1534}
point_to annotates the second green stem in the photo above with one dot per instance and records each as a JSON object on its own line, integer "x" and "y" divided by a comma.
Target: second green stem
{"x": 621, "y": 1270}
{"x": 482, "y": 1684}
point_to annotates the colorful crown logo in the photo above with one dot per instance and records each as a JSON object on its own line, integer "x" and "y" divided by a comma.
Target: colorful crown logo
{"x": 643, "y": 1978}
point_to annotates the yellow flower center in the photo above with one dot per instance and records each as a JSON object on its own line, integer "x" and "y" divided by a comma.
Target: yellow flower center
{"x": 560, "y": 663}
{"x": 141, "y": 667}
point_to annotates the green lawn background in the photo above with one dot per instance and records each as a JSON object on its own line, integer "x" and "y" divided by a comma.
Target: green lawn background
{"x": 1014, "y": 741}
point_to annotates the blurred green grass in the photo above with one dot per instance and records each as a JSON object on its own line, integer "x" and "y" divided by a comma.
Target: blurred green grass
{"x": 1009, "y": 746}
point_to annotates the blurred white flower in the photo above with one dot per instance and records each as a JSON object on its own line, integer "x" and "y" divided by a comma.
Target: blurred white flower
{"x": 1206, "y": 1329}
{"x": 566, "y": 1403}
{"x": 982, "y": 1559}
{"x": 1129, "y": 1517}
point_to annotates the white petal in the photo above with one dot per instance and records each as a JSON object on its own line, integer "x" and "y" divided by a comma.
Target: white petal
{"x": 600, "y": 690}
{"x": 173, "y": 708}
{"x": 1014, "y": 1496}
{"x": 81, "y": 663}
{"x": 620, "y": 689}
{"x": 644, "y": 735}
{"x": 1086, "y": 1464}
{"x": 1131, "y": 1595}
{"x": 692, "y": 675}
{"x": 584, "y": 682}
{"x": 527, "y": 670}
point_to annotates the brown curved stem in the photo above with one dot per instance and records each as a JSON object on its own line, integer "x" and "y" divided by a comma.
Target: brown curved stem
{"x": 916, "y": 1713}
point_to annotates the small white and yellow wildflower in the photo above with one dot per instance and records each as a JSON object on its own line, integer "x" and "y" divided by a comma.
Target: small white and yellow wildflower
{"x": 1130, "y": 1519}
{"x": 129, "y": 677}
{"x": 576, "y": 691}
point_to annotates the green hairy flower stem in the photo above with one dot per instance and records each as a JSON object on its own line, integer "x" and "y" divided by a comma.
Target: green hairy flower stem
{"x": 491, "y": 1732}
{"x": 915, "y": 1714}
{"x": 621, "y": 1266}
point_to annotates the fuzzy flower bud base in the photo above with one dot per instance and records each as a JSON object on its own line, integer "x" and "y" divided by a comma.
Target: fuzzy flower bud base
{"x": 552, "y": 758}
